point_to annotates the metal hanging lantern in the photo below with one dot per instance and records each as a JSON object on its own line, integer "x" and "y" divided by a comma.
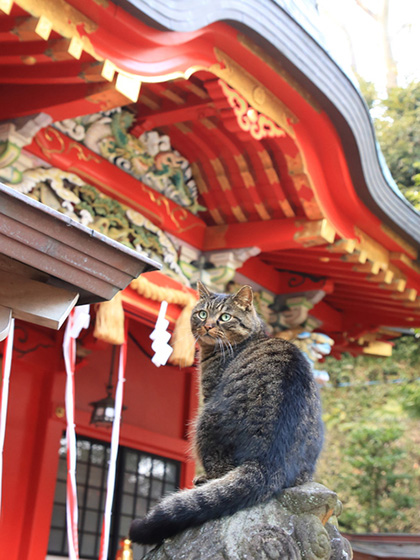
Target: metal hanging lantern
{"x": 104, "y": 410}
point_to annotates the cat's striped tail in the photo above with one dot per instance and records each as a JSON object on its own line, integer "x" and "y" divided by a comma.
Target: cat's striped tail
{"x": 242, "y": 487}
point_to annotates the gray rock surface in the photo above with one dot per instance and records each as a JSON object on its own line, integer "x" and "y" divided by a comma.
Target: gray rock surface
{"x": 301, "y": 523}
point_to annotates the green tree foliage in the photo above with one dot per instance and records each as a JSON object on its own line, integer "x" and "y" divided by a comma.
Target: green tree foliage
{"x": 371, "y": 456}
{"x": 381, "y": 489}
{"x": 397, "y": 124}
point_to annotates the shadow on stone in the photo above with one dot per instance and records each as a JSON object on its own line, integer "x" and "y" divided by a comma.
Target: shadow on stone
{"x": 301, "y": 523}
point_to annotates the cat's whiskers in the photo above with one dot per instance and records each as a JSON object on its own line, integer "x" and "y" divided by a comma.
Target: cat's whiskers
{"x": 227, "y": 344}
{"x": 222, "y": 349}
{"x": 232, "y": 353}
{"x": 224, "y": 344}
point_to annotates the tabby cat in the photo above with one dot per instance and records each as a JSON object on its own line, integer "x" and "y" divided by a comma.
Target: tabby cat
{"x": 260, "y": 427}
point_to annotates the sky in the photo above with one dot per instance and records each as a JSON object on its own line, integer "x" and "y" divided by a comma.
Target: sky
{"x": 344, "y": 22}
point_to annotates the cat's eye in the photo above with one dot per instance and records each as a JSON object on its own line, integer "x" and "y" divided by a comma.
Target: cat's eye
{"x": 225, "y": 317}
{"x": 202, "y": 314}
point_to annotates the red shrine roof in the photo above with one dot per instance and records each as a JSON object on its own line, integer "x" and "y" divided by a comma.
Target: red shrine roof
{"x": 392, "y": 546}
{"x": 280, "y": 143}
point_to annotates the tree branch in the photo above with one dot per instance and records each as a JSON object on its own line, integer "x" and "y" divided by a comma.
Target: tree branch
{"x": 362, "y": 5}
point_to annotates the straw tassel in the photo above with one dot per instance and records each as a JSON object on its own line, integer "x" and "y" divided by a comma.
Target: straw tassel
{"x": 109, "y": 325}
{"x": 110, "y": 319}
{"x": 182, "y": 341}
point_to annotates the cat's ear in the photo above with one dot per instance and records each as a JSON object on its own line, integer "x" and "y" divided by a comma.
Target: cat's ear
{"x": 244, "y": 297}
{"x": 203, "y": 291}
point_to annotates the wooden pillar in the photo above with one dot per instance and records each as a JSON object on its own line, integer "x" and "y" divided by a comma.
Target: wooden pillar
{"x": 191, "y": 405}
{"x": 31, "y": 450}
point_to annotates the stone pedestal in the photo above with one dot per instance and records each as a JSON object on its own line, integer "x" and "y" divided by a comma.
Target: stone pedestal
{"x": 301, "y": 523}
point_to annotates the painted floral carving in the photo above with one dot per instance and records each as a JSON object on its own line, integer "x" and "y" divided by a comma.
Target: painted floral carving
{"x": 150, "y": 158}
{"x": 257, "y": 124}
{"x": 67, "y": 193}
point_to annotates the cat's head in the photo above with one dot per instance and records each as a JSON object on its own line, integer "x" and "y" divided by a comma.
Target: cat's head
{"x": 224, "y": 319}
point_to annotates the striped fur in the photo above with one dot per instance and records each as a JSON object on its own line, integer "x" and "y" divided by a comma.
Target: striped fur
{"x": 259, "y": 430}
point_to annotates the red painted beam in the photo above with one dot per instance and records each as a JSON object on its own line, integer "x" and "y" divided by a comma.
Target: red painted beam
{"x": 309, "y": 266}
{"x": 282, "y": 282}
{"x": 68, "y": 155}
{"x": 271, "y": 235}
{"x": 332, "y": 320}
{"x": 372, "y": 318}
{"x": 58, "y": 101}
{"x": 62, "y": 73}
{"x": 381, "y": 307}
{"x": 369, "y": 293}
{"x": 340, "y": 272}
{"x": 151, "y": 442}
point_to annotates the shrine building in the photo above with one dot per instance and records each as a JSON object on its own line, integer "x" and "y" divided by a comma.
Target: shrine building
{"x": 146, "y": 145}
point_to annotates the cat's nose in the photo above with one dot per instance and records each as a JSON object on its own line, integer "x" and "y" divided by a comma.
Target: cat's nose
{"x": 209, "y": 327}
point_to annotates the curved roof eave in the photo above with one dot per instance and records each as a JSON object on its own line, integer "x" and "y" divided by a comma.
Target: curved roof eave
{"x": 285, "y": 30}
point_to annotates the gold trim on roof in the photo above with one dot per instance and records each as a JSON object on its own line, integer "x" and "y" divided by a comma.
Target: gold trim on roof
{"x": 257, "y": 124}
{"x": 6, "y": 6}
{"x": 315, "y": 233}
{"x": 413, "y": 253}
{"x": 375, "y": 252}
{"x": 64, "y": 19}
{"x": 278, "y": 68}
{"x": 378, "y": 348}
{"x": 254, "y": 92}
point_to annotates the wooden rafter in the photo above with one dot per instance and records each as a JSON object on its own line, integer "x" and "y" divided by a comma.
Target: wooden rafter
{"x": 270, "y": 235}
{"x": 156, "y": 119}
